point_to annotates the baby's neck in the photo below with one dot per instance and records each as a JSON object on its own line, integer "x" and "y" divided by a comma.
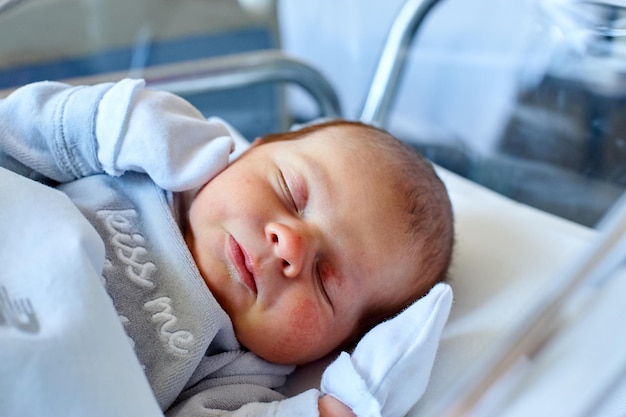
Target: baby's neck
{"x": 180, "y": 203}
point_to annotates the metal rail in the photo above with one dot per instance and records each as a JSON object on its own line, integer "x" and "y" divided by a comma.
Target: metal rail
{"x": 392, "y": 61}
{"x": 229, "y": 72}
{"x": 244, "y": 69}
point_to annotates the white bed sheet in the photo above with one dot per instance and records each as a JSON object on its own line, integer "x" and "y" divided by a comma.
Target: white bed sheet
{"x": 76, "y": 361}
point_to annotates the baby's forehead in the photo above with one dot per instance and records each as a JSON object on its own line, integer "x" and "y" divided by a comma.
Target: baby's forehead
{"x": 363, "y": 141}
{"x": 347, "y": 133}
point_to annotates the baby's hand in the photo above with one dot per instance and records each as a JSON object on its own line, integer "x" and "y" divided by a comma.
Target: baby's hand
{"x": 390, "y": 367}
{"x": 329, "y": 406}
{"x": 161, "y": 135}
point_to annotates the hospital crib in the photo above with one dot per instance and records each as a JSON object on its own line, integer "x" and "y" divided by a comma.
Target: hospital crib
{"x": 536, "y": 324}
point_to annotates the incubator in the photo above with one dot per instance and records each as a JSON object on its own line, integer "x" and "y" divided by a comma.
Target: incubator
{"x": 518, "y": 103}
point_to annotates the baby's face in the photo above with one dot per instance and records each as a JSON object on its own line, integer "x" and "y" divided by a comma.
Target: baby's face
{"x": 296, "y": 239}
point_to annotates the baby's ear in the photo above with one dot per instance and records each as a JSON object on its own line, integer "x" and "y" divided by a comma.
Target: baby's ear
{"x": 258, "y": 141}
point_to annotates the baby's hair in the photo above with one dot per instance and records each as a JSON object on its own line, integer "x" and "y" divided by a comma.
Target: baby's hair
{"x": 430, "y": 230}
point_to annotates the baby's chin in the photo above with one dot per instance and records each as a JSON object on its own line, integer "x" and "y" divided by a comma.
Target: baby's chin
{"x": 285, "y": 352}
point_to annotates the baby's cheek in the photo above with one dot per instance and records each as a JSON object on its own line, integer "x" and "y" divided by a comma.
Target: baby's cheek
{"x": 306, "y": 322}
{"x": 301, "y": 330}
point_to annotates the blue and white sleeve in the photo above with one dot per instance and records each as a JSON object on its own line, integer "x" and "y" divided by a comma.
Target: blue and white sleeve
{"x": 54, "y": 132}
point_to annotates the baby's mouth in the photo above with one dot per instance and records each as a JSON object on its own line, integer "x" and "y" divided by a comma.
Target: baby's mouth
{"x": 242, "y": 264}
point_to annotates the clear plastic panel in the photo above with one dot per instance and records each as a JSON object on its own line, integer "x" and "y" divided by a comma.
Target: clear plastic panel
{"x": 66, "y": 39}
{"x": 515, "y": 95}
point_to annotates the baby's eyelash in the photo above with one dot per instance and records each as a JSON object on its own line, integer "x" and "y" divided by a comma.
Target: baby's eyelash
{"x": 318, "y": 272}
{"x": 287, "y": 191}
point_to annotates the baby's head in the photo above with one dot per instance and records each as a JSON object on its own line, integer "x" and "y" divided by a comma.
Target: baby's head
{"x": 312, "y": 237}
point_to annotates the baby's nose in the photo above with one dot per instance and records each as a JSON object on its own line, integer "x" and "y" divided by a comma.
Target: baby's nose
{"x": 291, "y": 246}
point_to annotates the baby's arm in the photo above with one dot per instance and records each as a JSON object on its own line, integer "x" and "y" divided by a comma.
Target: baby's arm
{"x": 160, "y": 134}
{"x": 46, "y": 131}
{"x": 55, "y": 132}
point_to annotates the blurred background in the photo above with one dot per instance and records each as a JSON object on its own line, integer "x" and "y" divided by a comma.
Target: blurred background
{"x": 523, "y": 96}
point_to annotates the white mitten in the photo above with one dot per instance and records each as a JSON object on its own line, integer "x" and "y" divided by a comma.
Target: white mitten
{"x": 390, "y": 367}
{"x": 160, "y": 134}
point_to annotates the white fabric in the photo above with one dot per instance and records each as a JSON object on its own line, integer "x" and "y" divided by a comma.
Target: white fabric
{"x": 390, "y": 367}
{"x": 163, "y": 134}
{"x": 589, "y": 353}
{"x": 94, "y": 371}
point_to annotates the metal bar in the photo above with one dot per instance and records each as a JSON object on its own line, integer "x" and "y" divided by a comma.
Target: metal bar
{"x": 228, "y": 72}
{"x": 392, "y": 61}
{"x": 233, "y": 71}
